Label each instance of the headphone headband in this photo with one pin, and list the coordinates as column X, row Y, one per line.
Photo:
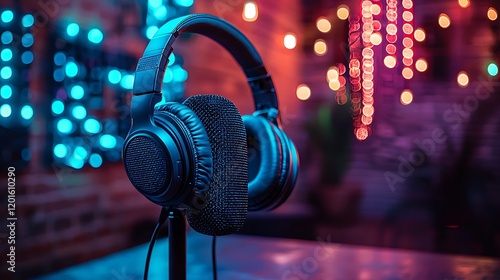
column 151, row 67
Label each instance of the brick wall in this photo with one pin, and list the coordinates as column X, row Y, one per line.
column 68, row 216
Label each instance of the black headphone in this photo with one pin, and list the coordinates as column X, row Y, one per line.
column 201, row 155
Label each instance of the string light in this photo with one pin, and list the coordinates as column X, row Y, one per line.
column 464, row 3
column 421, row 65
column 376, row 39
column 407, row 73
column 419, row 35
column 390, row 61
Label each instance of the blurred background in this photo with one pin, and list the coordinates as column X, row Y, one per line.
column 393, row 105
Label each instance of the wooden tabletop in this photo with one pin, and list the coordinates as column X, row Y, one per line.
column 249, row 257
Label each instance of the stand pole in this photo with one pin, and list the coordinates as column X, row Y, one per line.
column 176, row 245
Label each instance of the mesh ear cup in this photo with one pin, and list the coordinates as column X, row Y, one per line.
column 197, row 140
column 275, row 165
column 225, row 207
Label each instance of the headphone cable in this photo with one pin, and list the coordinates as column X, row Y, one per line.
column 214, row 259
column 161, row 221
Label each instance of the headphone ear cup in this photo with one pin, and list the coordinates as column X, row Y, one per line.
column 226, row 205
column 197, row 140
column 264, row 161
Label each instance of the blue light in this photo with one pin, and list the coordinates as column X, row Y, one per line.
column 57, row 107
column 92, row 126
column 6, row 54
column 151, row 31
column 114, row 76
column 5, row 110
column 71, row 69
column 161, row 13
column 7, row 37
column 58, row 75
column 6, row 72
column 7, row 16
column 27, row 57
column 107, row 141
column 60, row 150
column 493, row 69
column 59, row 58
column 6, row 92
column 167, row 78
column 155, row 3
column 184, row 3
column 95, row 160
column 127, row 81
column 77, row 92
column 95, row 36
column 64, row 126
column 180, row 75
column 75, row 162
column 79, row 112
column 26, row 154
column 27, row 112
column 72, row 29
column 171, row 59
column 27, row 40
column 80, row 153
column 28, row 20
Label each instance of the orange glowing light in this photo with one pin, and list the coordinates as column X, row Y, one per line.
column 407, row 61
column 444, row 20
column 290, row 41
column 375, row 9
column 407, row 42
column 407, row 73
column 320, row 47
column 332, row 73
column 250, row 11
column 366, row 120
column 419, row 35
column 407, row 16
column 464, row 3
column 407, row 28
column 391, row 15
column 368, row 52
column 492, row 14
column 406, row 97
column 343, row 12
column 362, row 133
column 407, row 4
column 368, row 111
column 376, row 39
column 334, row 84
column 391, row 29
column 390, row 49
column 303, row 92
column 407, row 53
column 463, row 79
column 421, row 65
column 390, row 61
column 323, row 25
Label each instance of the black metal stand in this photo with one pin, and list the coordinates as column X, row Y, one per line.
column 176, row 245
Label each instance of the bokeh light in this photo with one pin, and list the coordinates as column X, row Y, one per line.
column 406, row 97
column 376, row 39
column 27, row 112
column 492, row 69
column 407, row 73
column 95, row 36
column 250, row 12
column 72, row 29
column 463, row 79
column 5, row 110
column 419, row 35
column 290, row 41
column 323, row 24
column 444, row 20
column 390, row 61
column 421, row 65
column 320, row 47
column 464, row 3
column 492, row 14
column 343, row 12
column 303, row 92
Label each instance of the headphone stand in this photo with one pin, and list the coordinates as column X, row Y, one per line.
column 176, row 245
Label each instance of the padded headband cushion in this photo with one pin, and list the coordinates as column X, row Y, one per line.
column 200, row 142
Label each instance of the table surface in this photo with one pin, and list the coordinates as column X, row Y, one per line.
column 250, row 257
